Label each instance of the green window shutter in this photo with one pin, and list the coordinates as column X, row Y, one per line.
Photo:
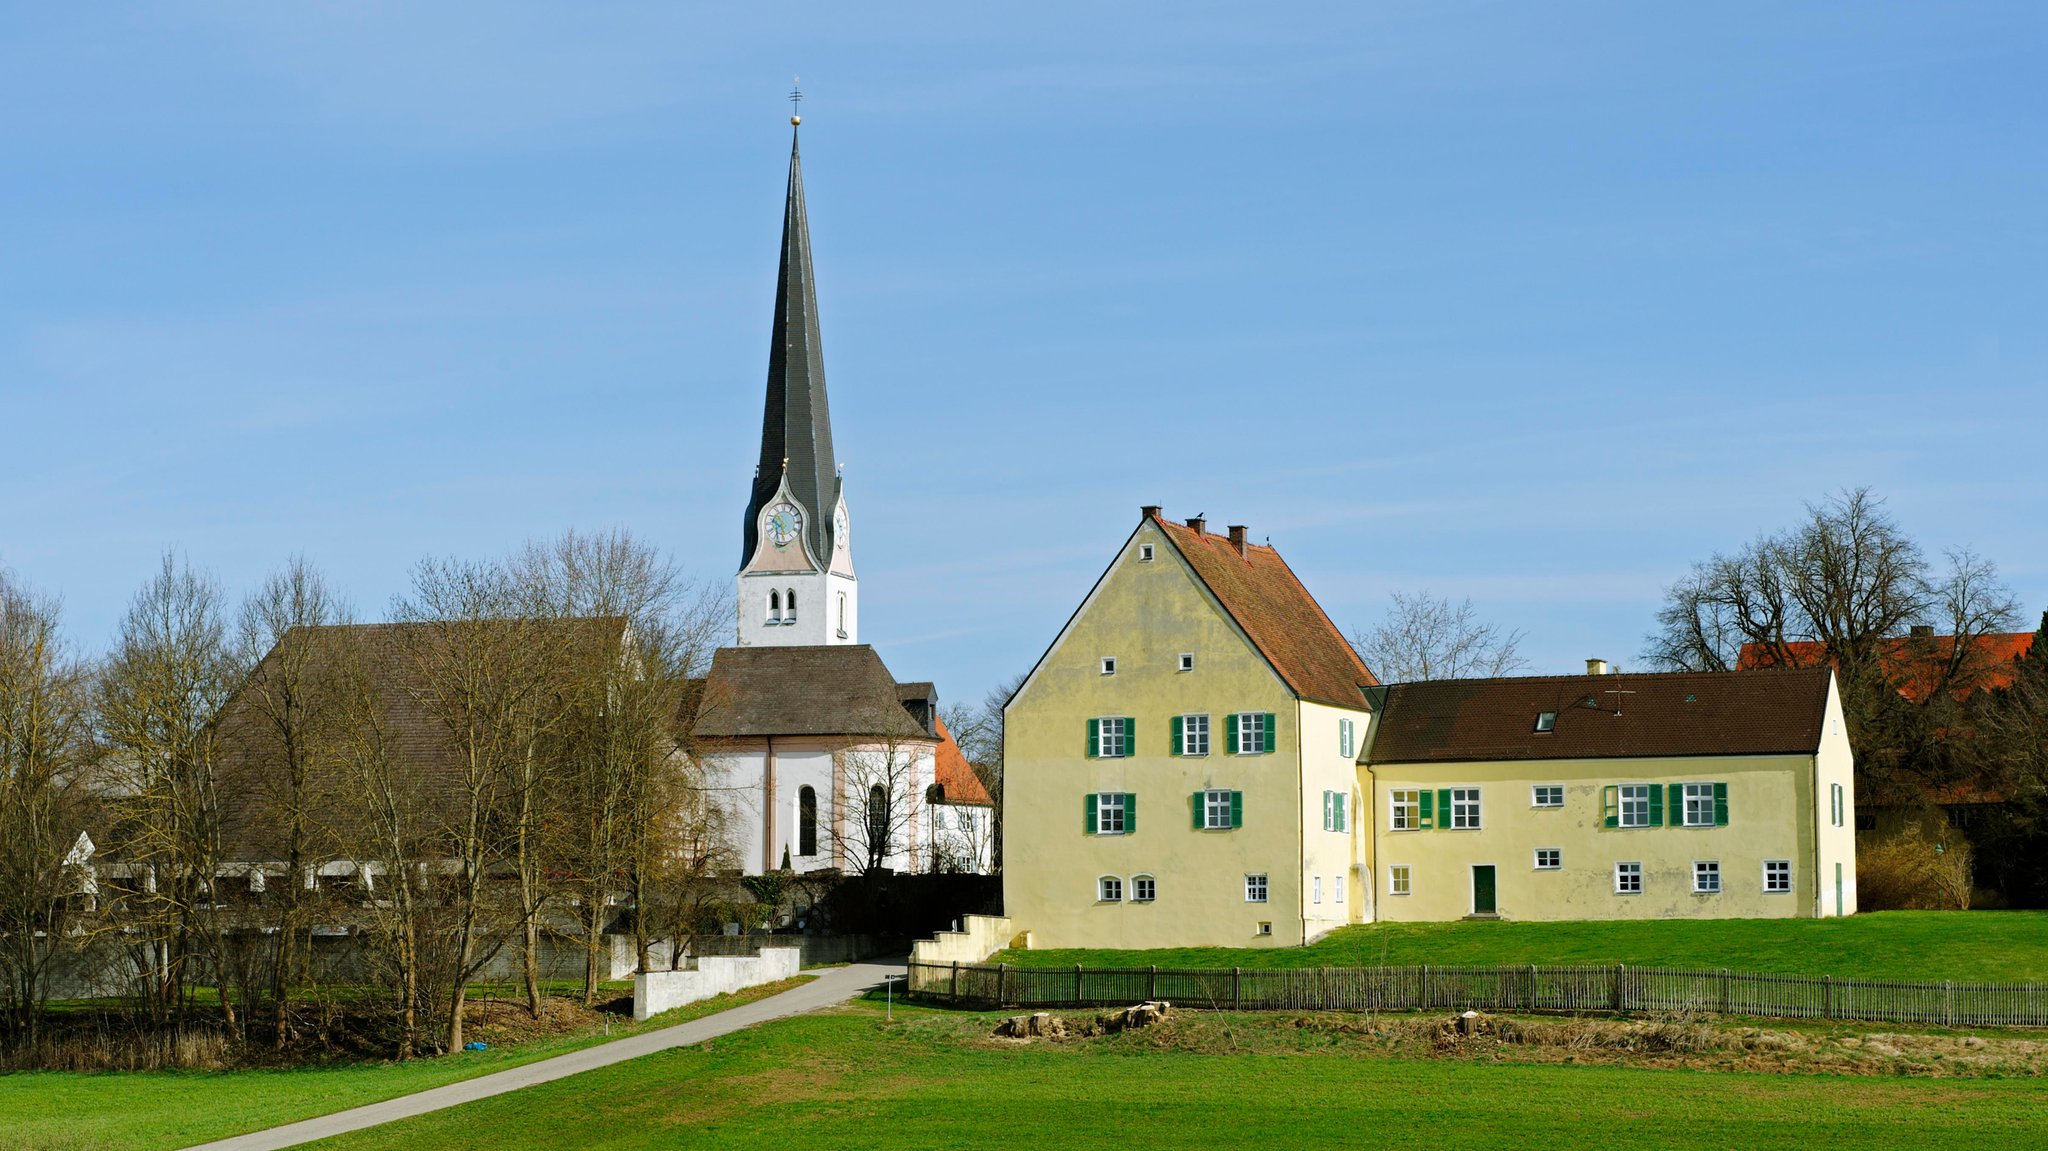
column 1720, row 805
column 1195, row 801
column 1326, row 811
column 1269, row 731
column 1425, row 816
column 1237, row 809
column 1656, row 806
column 1089, row 826
column 1443, row 806
column 1130, row 735
column 1230, row 734
column 1677, row 803
column 1094, row 736
column 1610, row 802
column 1130, row 812
column 1178, row 737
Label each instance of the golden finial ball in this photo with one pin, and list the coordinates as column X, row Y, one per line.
column 795, row 120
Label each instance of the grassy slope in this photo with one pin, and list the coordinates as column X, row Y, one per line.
column 169, row 1109
column 1907, row 945
column 850, row 1080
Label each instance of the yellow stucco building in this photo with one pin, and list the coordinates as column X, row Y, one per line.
column 1201, row 759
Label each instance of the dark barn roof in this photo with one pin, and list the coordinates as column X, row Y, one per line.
column 1677, row 714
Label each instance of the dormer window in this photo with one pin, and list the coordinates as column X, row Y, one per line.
column 1109, row 665
column 1546, row 721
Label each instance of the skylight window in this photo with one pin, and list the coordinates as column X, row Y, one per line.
column 1546, row 721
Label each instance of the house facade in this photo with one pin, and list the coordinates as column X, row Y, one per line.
column 1200, row 758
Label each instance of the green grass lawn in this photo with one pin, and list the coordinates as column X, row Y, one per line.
column 1966, row 946
column 849, row 1079
column 143, row 1110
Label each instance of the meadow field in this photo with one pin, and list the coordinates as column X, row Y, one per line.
column 1930, row 946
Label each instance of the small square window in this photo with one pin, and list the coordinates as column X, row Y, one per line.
column 1255, row 888
column 1109, row 665
column 1549, row 858
column 1144, row 889
column 1706, row 877
column 1547, row 795
column 1144, row 553
column 1628, row 879
column 1187, row 661
column 1777, row 876
column 1546, row 721
column 1265, row 928
column 1109, row 889
column 1398, row 879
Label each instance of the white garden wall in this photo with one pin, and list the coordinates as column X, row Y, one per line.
column 657, row 991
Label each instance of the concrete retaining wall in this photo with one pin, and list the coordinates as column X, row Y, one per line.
column 657, row 991
column 979, row 937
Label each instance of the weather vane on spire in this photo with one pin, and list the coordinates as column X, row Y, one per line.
column 796, row 98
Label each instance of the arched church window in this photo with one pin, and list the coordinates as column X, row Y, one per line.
column 807, row 821
column 789, row 600
column 878, row 823
column 774, row 607
column 842, row 615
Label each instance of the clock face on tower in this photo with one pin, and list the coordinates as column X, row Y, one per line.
column 839, row 529
column 785, row 520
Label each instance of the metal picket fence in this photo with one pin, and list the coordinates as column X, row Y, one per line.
column 1618, row 989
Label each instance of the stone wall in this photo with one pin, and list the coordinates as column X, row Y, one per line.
column 979, row 937
column 657, row 991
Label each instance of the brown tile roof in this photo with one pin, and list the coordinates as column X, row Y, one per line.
column 1289, row 628
column 1675, row 714
column 251, row 756
column 837, row 690
column 957, row 780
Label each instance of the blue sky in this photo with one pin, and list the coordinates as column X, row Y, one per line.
column 1531, row 303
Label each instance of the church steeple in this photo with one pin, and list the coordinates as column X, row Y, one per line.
column 796, row 422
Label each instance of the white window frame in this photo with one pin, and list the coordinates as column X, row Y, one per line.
column 1144, row 889
column 1625, row 870
column 1109, row 665
column 1411, row 808
column 1546, row 721
column 1187, row 661
column 1784, row 866
column 1215, row 806
column 1400, row 879
column 1256, row 887
column 1144, row 553
column 1105, row 802
column 1556, row 855
column 1835, row 803
column 1188, row 723
column 1316, row 888
column 1701, row 794
column 1702, row 871
column 1339, row 881
column 1109, row 889
column 1622, row 801
column 1104, row 735
column 1246, row 745
column 1540, row 793
column 1464, row 813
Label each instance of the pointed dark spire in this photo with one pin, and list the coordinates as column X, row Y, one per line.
column 796, row 423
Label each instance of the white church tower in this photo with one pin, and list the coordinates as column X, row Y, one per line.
column 796, row 581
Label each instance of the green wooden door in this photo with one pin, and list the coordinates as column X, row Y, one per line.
column 1482, row 889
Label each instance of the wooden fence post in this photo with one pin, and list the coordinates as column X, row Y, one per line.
column 1077, row 985
column 1152, row 984
column 1002, row 977
column 1529, row 1000
column 954, row 994
column 1236, row 988
column 1617, row 998
column 1724, row 991
column 1948, row 1001
column 1827, row 997
column 1422, row 989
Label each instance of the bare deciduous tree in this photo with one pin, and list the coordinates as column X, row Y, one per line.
column 879, row 803
column 1429, row 637
column 978, row 729
column 42, row 801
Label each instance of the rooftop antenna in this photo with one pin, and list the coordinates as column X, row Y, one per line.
column 796, row 99
column 1617, row 692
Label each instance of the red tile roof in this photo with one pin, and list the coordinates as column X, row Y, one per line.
column 1914, row 663
column 1284, row 622
column 956, row 777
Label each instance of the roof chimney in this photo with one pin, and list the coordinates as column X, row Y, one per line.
column 1148, row 511
column 1237, row 538
column 1596, row 667
column 1923, row 631
column 1197, row 522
